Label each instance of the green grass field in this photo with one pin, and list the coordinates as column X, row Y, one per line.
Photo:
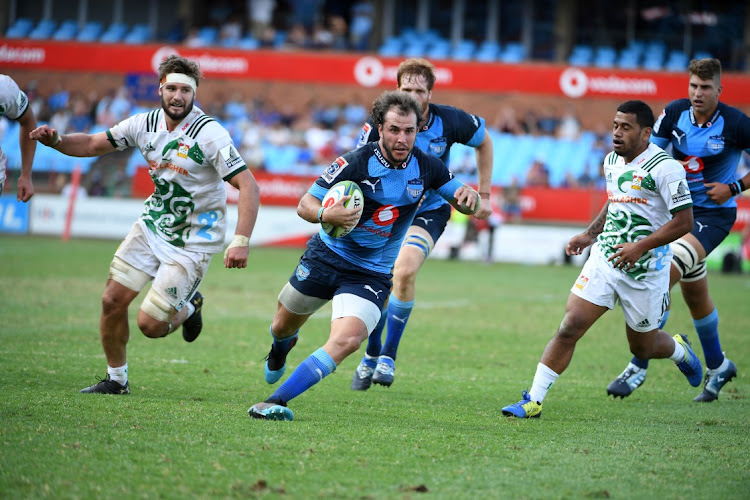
column 471, row 347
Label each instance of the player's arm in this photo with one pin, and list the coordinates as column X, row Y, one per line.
column 720, row 193
column 484, row 155
column 27, row 122
column 247, row 213
column 579, row 242
column 77, row 144
column 628, row 253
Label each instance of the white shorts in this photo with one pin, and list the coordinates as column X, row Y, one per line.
column 643, row 302
column 177, row 273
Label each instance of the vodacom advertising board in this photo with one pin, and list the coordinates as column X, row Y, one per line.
column 362, row 70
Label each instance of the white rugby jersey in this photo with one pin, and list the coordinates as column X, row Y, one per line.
column 643, row 195
column 13, row 104
column 188, row 167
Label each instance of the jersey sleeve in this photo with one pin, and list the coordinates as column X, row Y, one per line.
column 220, row 152
column 340, row 170
column 743, row 132
column 369, row 133
column 661, row 133
column 13, row 101
column 441, row 179
column 673, row 186
column 124, row 134
column 469, row 128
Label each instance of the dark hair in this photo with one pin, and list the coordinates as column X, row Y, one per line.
column 177, row 64
column 706, row 69
column 419, row 67
column 642, row 111
column 403, row 102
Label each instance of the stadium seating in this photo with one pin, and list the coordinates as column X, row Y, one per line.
column 676, row 61
column 20, row 29
column 90, row 32
column 115, row 33
column 67, row 31
column 45, row 29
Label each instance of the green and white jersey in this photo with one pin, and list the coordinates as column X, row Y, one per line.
column 643, row 195
column 188, row 167
column 13, row 104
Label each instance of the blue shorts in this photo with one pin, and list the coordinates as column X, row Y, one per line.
column 322, row 273
column 712, row 225
column 433, row 221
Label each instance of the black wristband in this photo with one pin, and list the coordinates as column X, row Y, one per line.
column 741, row 184
column 734, row 189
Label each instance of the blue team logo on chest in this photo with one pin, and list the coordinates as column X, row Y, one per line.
column 715, row 143
column 415, row 188
column 437, row 146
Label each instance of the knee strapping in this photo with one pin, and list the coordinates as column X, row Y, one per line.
column 686, row 261
column 418, row 241
column 127, row 275
column 298, row 303
column 156, row 307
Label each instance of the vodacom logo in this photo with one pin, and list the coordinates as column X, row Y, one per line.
column 574, row 82
column 160, row 55
column 385, row 215
column 369, row 71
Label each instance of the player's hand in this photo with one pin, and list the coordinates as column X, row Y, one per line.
column 626, row 256
column 578, row 243
column 235, row 256
column 25, row 189
column 340, row 216
column 45, row 134
column 467, row 198
column 718, row 192
column 485, row 209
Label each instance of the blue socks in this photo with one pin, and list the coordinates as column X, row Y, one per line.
column 374, row 341
column 314, row 369
column 708, row 333
column 398, row 315
column 643, row 363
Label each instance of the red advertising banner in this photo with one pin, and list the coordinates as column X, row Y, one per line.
column 363, row 70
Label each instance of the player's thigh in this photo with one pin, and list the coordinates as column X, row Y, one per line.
column 362, row 295
column 179, row 275
column 710, row 228
column 644, row 302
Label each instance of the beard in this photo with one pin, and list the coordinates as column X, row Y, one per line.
column 176, row 116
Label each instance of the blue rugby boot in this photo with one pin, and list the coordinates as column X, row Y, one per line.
column 526, row 408
column 362, row 378
column 691, row 365
column 385, row 371
column 714, row 381
column 270, row 411
column 276, row 361
column 628, row 381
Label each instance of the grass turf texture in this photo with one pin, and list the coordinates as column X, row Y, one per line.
column 437, row 433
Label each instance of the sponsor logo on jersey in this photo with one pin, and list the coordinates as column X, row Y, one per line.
column 637, row 179
column 171, row 291
column 149, row 147
column 437, row 146
column 231, row 157
column 334, row 170
column 153, row 166
column 415, row 188
column 679, row 191
column 386, row 163
column 385, row 215
column 21, row 102
column 372, row 183
column 581, row 282
column 715, row 143
column 679, row 135
column 302, row 272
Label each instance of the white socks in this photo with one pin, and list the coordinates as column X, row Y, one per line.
column 679, row 352
column 119, row 374
column 543, row 380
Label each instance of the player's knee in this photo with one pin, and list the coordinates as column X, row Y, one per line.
column 127, row 275
column 686, row 261
column 113, row 304
column 571, row 328
column 641, row 350
column 156, row 315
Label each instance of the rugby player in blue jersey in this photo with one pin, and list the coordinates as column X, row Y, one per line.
column 441, row 126
column 708, row 138
column 354, row 271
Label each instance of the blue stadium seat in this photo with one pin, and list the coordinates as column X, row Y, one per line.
column 416, row 48
column 605, row 57
column 392, row 47
column 702, row 54
column 581, row 55
column 67, row 30
column 676, row 61
column 20, row 29
column 488, row 51
column 44, row 30
column 114, row 33
column 140, row 33
column 512, row 53
column 653, row 61
column 248, row 43
column 208, row 35
column 91, row 32
column 439, row 50
column 630, row 58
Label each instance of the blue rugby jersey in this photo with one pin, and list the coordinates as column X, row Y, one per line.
column 391, row 196
column 446, row 126
column 712, row 150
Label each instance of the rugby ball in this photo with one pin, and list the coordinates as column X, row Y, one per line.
column 338, row 191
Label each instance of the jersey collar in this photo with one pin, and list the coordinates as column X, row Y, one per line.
column 708, row 123
column 381, row 158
